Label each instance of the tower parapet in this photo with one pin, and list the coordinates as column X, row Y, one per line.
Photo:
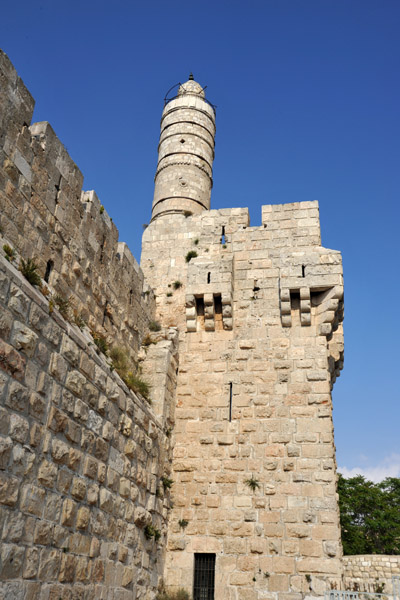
column 183, row 179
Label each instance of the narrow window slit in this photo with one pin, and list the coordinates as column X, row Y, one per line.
column 130, row 296
column 105, row 313
column 102, row 249
column 303, row 270
column 223, row 240
column 49, row 268
column 58, row 188
column 208, row 277
column 230, row 401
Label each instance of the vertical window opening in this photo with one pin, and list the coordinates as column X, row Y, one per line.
column 208, row 277
column 295, row 306
column 200, row 312
column 204, row 577
column 107, row 313
column 57, row 186
column 200, row 307
column 130, row 296
column 218, row 304
column 218, row 313
column 223, row 235
column 303, row 270
column 49, row 268
column 230, row 401
column 102, row 249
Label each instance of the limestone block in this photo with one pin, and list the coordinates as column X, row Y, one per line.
column 17, row 397
column 11, row 361
column 19, row 428
column 12, row 558
column 23, row 338
column 75, row 382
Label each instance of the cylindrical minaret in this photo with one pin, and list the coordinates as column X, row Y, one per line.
column 183, row 179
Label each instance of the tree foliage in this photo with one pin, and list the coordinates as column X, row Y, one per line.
column 369, row 515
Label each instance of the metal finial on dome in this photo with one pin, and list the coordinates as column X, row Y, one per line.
column 191, row 78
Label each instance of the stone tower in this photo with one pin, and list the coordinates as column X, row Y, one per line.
column 259, row 312
column 183, row 179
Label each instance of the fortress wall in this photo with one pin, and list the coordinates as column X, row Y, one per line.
column 253, row 399
column 294, row 224
column 81, row 460
column 366, row 572
column 46, row 216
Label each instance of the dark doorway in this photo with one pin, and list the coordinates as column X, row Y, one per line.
column 204, row 577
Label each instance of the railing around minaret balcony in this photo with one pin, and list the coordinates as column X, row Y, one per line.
column 178, row 85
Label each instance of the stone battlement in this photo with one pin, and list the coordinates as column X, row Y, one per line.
column 45, row 215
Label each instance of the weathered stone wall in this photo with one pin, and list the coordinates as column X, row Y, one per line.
column 259, row 311
column 368, row 572
column 81, row 458
column 46, row 216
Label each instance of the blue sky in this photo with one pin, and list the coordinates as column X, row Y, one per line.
column 307, row 96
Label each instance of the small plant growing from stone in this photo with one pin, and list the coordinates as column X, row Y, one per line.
column 45, row 290
column 9, row 253
column 154, row 326
column 196, row 241
column 252, row 483
column 379, row 587
column 101, row 209
column 63, row 305
column 177, row 285
column 138, row 385
column 78, row 319
column 183, row 523
column 224, row 246
column 178, row 595
column 147, row 341
column 100, row 342
column 122, row 363
column 152, row 532
column 188, row 213
column 29, row 269
column 149, row 532
column 167, row 482
column 169, row 294
column 191, row 254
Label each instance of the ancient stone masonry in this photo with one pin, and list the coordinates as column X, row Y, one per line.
column 83, row 508
column 259, row 313
column 370, row 572
column 81, row 462
column 46, row 216
column 245, row 346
